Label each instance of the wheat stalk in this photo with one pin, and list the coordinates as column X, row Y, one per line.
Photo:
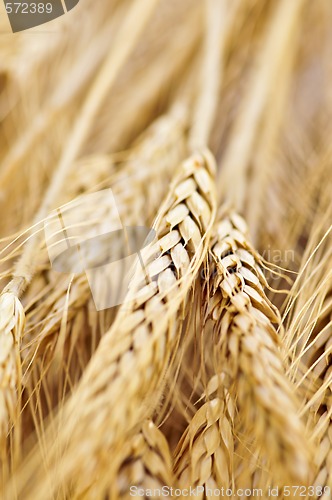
column 277, row 38
column 247, row 351
column 174, row 331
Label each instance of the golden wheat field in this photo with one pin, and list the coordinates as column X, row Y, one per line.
column 166, row 251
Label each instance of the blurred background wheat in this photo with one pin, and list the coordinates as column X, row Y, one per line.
column 210, row 121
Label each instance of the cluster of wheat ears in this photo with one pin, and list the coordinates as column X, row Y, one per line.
column 210, row 120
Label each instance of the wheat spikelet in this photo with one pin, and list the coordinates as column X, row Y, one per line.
column 320, row 379
column 247, row 351
column 11, row 326
column 144, row 335
column 148, row 464
column 323, row 459
column 204, row 455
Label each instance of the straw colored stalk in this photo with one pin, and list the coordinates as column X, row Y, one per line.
column 125, row 116
column 278, row 48
column 62, row 97
column 102, row 84
column 204, row 455
column 136, row 352
column 124, row 109
column 247, row 351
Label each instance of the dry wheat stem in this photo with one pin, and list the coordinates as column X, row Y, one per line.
column 247, row 351
column 165, row 78
column 269, row 131
column 134, row 24
column 160, row 149
column 211, row 74
column 174, row 332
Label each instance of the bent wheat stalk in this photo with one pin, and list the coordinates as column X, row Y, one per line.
column 247, row 351
column 151, row 161
column 138, row 348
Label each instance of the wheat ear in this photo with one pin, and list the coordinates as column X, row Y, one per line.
column 307, row 340
column 148, row 463
column 247, row 351
column 144, row 335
